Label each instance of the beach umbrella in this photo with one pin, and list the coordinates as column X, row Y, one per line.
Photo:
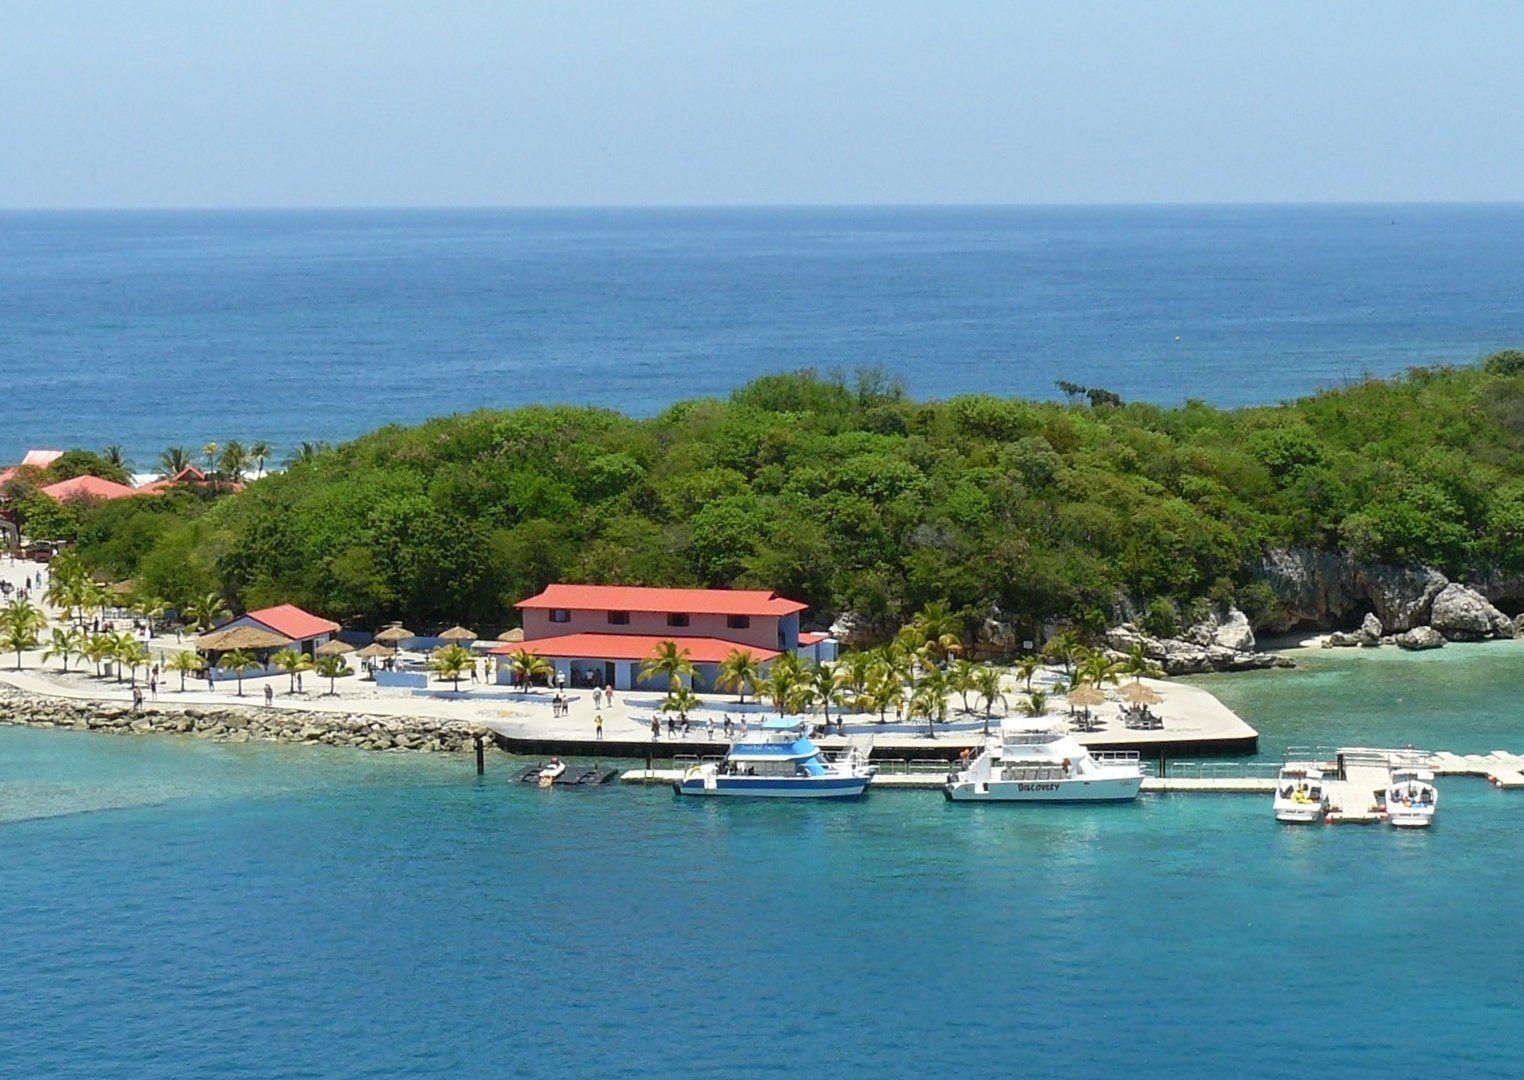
column 458, row 634
column 515, row 634
column 334, row 648
column 1086, row 696
column 242, row 637
column 1139, row 694
column 394, row 633
column 375, row 650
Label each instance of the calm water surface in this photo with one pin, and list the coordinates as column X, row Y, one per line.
column 151, row 329
column 174, row 908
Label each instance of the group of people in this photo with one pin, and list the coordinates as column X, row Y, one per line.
column 680, row 726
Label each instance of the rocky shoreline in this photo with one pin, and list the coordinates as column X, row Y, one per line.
column 242, row 724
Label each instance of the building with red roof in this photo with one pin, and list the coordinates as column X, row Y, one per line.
column 306, row 630
column 87, row 487
column 602, row 634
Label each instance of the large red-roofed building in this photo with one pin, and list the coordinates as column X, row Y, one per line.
column 602, row 634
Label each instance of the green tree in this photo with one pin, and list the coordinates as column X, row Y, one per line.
column 259, row 453
column 205, row 610
column 451, row 662
column 292, row 661
column 66, row 642
column 1035, row 704
column 174, row 460
column 1026, row 667
column 668, row 663
column 333, row 668
column 740, row 672
column 785, row 681
column 238, row 661
column 21, row 623
column 988, row 684
column 528, row 666
column 962, row 679
column 681, row 701
column 185, row 663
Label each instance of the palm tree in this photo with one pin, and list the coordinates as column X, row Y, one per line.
column 739, row 671
column 529, row 666
column 938, row 629
column 1137, row 664
column 450, row 662
column 133, row 653
column 233, row 460
column 291, row 661
column 989, row 687
column 114, row 455
column 185, row 662
column 259, row 450
column 961, row 677
column 668, row 660
column 824, row 687
column 150, row 605
column 1096, row 669
column 96, row 649
column 885, row 688
column 205, row 610
column 681, row 701
column 854, row 670
column 122, row 650
column 333, row 668
column 238, row 661
column 209, row 455
column 306, row 452
column 174, row 460
column 1063, row 649
column 1026, row 667
column 1035, row 704
column 66, row 642
column 929, row 699
column 784, row 679
column 21, row 622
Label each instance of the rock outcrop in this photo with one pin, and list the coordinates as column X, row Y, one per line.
column 1420, row 637
column 1463, row 614
column 1225, row 643
column 1320, row 588
column 1368, row 636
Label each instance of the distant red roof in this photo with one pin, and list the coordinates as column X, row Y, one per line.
column 87, row 487
column 701, row 650
column 190, row 475
column 41, row 459
column 674, row 601
column 812, row 637
column 293, row 622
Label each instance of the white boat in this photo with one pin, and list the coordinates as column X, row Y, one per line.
column 1039, row 764
column 552, row 772
column 778, row 761
column 1412, row 798
column 1299, row 795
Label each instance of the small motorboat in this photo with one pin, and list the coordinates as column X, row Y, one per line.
column 779, row 761
column 1299, row 795
column 1411, row 799
column 552, row 772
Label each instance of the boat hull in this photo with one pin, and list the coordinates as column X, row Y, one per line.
column 1047, row 791
column 766, row 787
column 1409, row 820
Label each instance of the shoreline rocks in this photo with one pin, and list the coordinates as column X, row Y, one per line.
column 242, row 724
column 1224, row 642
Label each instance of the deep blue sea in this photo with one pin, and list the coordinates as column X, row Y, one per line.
column 149, row 329
column 173, row 908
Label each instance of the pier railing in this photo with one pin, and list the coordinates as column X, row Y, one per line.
column 1221, row 770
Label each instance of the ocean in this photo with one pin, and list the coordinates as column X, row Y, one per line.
column 175, row 908
column 151, row 329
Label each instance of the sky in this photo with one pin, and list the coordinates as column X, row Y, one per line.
column 136, row 103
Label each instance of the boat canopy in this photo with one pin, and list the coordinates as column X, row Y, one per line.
column 774, row 751
column 783, row 723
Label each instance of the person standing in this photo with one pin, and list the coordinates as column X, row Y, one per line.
column 269, row 695
column 598, row 728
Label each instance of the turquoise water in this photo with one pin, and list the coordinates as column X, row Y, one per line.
column 1463, row 698
column 176, row 908
column 155, row 328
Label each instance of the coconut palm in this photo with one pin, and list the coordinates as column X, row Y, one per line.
column 883, row 690
column 1137, row 664
column 96, row 649
column 291, row 661
column 451, row 662
column 209, row 455
column 1063, row 649
column 938, row 629
column 203, row 611
column 1096, row 669
column 825, row 689
column 131, row 654
column 150, row 605
column 1035, row 703
column 854, row 670
column 529, row 666
column 174, row 460
column 233, row 460
column 114, row 455
column 186, row 663
column 739, row 671
column 785, row 678
column 929, row 699
column 988, row 685
column 21, row 622
column 238, row 661
column 259, row 452
column 306, row 452
column 66, row 642
column 669, row 662
column 961, row 677
column 681, row 701
column 333, row 668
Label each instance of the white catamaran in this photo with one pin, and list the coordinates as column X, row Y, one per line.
column 1037, row 764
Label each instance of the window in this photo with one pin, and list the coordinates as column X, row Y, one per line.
column 560, row 615
column 738, row 622
column 677, row 620
column 619, row 618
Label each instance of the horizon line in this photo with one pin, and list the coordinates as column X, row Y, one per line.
column 634, row 206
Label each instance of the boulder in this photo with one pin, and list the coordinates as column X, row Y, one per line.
column 1518, row 626
column 1420, row 637
column 1463, row 614
column 1341, row 640
column 1403, row 596
column 1370, row 631
column 1234, row 632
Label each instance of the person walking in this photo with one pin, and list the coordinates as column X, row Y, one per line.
column 269, row 695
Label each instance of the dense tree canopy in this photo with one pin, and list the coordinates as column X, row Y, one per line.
column 850, row 497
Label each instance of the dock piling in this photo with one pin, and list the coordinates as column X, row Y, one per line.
column 481, row 760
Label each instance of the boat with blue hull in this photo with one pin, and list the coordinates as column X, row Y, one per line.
column 779, row 761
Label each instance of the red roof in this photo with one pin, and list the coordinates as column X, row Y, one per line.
column 812, row 637
column 701, row 650
column 292, row 622
column 87, row 487
column 673, row 601
column 41, row 459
